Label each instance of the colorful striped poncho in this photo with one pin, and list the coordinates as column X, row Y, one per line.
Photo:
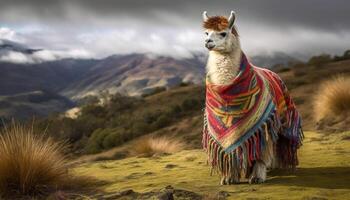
column 242, row 116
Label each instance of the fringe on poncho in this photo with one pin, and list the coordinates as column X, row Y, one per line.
column 240, row 117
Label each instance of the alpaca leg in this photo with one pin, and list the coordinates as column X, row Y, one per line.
column 258, row 174
column 234, row 179
column 268, row 156
column 224, row 181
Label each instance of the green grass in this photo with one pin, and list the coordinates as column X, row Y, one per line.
column 323, row 173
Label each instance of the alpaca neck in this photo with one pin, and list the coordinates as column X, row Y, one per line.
column 222, row 68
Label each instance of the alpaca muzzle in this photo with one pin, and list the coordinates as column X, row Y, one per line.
column 209, row 45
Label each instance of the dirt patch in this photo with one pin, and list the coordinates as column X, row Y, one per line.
column 149, row 173
column 170, row 166
column 190, row 158
column 133, row 176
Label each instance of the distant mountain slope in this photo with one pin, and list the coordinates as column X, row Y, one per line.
column 37, row 103
column 53, row 76
column 136, row 74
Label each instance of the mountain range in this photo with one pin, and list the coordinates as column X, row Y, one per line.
column 72, row 79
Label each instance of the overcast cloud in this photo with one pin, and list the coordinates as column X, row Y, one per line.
column 98, row 28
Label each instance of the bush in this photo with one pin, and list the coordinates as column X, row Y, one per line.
column 90, row 99
column 95, row 110
column 112, row 140
column 300, row 69
column 345, row 56
column 86, row 124
column 102, row 139
column 332, row 98
column 320, row 60
column 30, row 164
column 162, row 121
column 120, row 103
column 140, row 127
column 94, row 144
column 190, row 104
column 175, row 110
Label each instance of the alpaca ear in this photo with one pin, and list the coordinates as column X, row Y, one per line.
column 231, row 19
column 205, row 16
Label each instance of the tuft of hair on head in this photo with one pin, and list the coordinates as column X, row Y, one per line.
column 216, row 23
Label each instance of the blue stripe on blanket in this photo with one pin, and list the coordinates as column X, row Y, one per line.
column 269, row 109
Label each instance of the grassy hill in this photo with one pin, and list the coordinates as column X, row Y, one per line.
column 322, row 174
column 122, row 119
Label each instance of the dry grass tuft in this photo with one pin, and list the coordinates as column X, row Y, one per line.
column 152, row 146
column 31, row 164
column 332, row 98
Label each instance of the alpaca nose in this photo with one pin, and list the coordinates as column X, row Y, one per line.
column 208, row 40
column 210, row 46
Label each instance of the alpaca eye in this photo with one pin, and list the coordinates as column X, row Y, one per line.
column 223, row 34
column 206, row 33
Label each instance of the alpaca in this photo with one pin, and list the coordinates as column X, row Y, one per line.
column 250, row 121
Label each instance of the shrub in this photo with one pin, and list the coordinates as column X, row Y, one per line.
column 94, row 144
column 190, row 104
column 320, row 60
column 102, row 139
column 140, row 127
column 111, row 140
column 300, row 69
column 89, row 99
column 151, row 116
column 30, row 164
column 162, row 121
column 86, row 124
column 345, row 56
column 175, row 110
column 95, row 110
column 332, row 98
column 120, row 103
column 151, row 146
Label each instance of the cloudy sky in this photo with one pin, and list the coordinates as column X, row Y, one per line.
column 98, row 28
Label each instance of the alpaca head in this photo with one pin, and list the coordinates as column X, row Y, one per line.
column 221, row 34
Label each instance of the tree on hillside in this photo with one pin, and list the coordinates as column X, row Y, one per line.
column 320, row 60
